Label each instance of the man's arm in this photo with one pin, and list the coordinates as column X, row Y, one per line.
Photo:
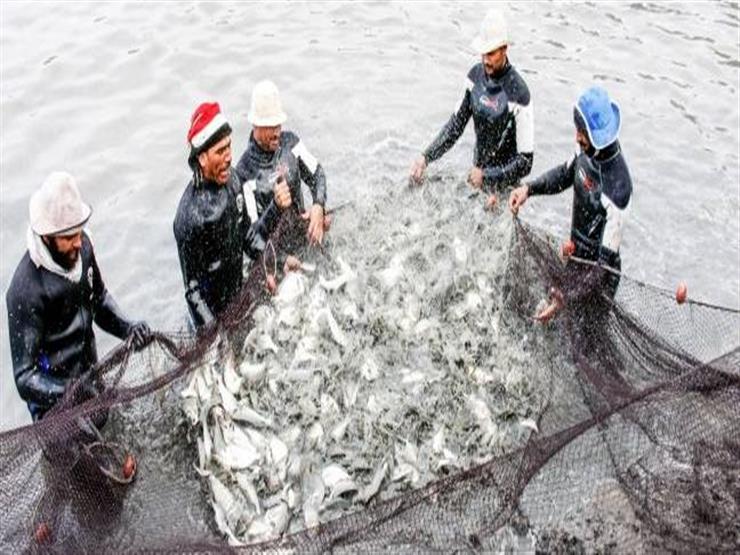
column 521, row 164
column 616, row 216
column 311, row 173
column 26, row 330
column 452, row 130
column 192, row 272
column 256, row 234
column 556, row 180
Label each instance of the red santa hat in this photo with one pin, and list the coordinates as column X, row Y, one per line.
column 206, row 122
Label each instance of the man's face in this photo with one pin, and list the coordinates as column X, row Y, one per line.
column 216, row 161
column 268, row 137
column 582, row 140
column 495, row 60
column 65, row 249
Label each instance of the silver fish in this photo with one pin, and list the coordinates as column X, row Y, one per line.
column 371, row 490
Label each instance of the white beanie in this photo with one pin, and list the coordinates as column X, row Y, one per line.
column 57, row 207
column 266, row 109
column 494, row 33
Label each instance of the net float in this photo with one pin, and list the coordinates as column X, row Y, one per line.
column 682, row 292
column 129, row 466
column 568, row 248
column 42, row 533
column 271, row 283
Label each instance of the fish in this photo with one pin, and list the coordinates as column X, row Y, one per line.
column 253, row 373
column 369, row 368
column 337, row 481
column 271, row 524
column 371, row 490
column 232, row 380
column 228, row 401
column 250, row 491
column 260, row 342
column 350, row 390
column 323, row 319
column 293, row 286
column 314, row 435
column 313, row 497
column 529, row 423
column 346, row 276
column 244, row 413
column 226, row 501
column 390, row 276
column 338, row 431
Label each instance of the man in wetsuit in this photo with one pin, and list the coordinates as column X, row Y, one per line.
column 602, row 188
column 273, row 154
column 498, row 99
column 55, row 295
column 217, row 220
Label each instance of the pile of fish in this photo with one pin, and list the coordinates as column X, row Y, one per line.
column 389, row 366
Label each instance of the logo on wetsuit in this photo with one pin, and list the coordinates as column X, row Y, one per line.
column 588, row 183
column 491, row 103
column 239, row 203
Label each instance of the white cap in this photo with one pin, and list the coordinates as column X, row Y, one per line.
column 494, row 33
column 266, row 109
column 57, row 207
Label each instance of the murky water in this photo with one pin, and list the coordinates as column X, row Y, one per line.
column 105, row 91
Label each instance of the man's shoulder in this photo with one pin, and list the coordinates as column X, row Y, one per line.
column 24, row 282
column 516, row 87
column 288, row 139
column 182, row 218
column 618, row 182
column 476, row 73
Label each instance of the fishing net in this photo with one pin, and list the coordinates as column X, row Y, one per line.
column 400, row 397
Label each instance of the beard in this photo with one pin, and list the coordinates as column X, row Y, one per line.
column 66, row 260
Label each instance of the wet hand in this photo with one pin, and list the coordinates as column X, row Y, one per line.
column 292, row 264
column 327, row 222
column 281, row 192
column 416, row 175
column 491, row 202
column 475, row 178
column 517, row 198
column 140, row 334
column 552, row 308
column 316, row 224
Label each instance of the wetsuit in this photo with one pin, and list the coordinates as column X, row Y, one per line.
column 50, row 320
column 503, row 116
column 214, row 226
column 602, row 189
column 256, row 165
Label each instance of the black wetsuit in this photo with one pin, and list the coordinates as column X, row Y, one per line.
column 214, row 226
column 50, row 320
column 256, row 165
column 602, row 189
column 504, row 126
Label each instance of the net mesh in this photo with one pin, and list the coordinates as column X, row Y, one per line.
column 638, row 443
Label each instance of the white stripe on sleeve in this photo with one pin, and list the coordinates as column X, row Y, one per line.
column 524, row 126
column 248, row 191
column 615, row 218
column 300, row 151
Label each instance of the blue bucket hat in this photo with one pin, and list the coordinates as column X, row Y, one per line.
column 600, row 115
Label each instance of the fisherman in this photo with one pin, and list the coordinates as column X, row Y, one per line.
column 498, row 99
column 55, row 295
column 217, row 220
column 602, row 189
column 276, row 155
